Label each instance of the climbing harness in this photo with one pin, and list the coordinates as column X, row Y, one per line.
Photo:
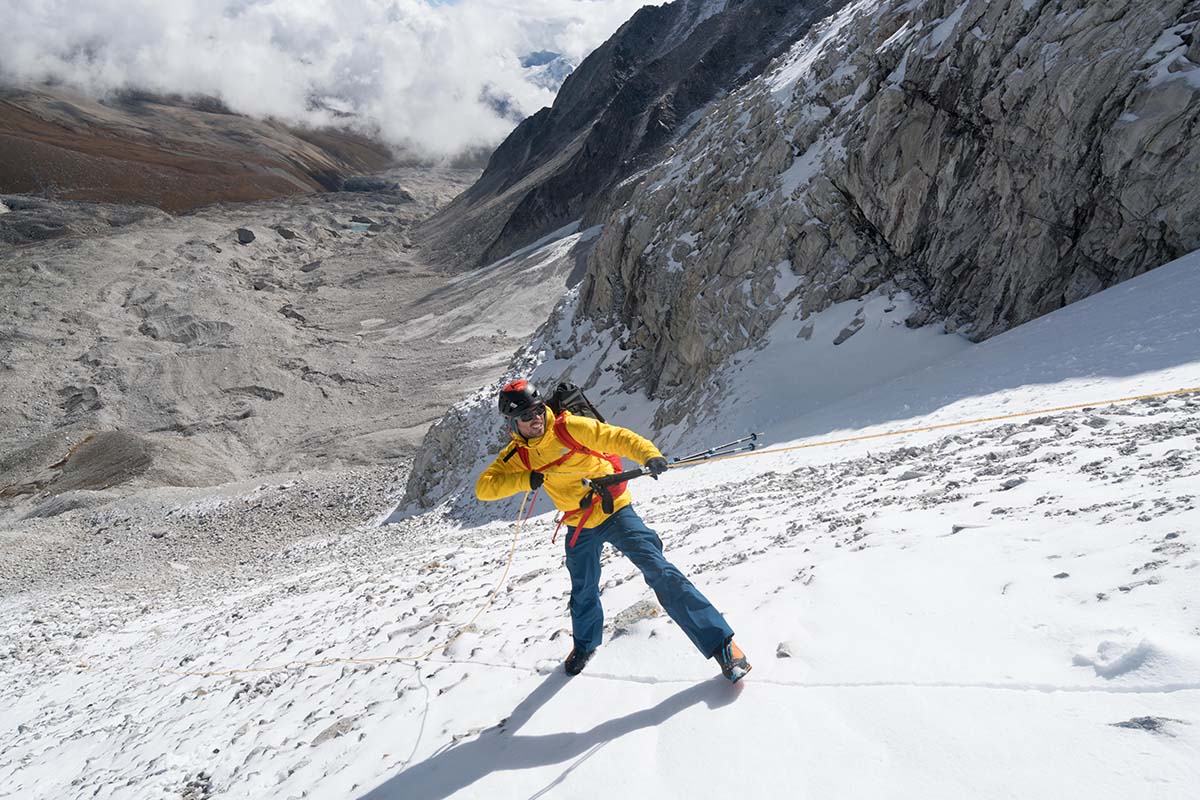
column 579, row 516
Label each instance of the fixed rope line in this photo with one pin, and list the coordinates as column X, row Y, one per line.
column 522, row 517
column 921, row 429
column 944, row 425
column 324, row 662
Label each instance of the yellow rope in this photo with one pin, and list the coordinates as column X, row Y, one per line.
column 943, row 425
column 323, row 662
column 903, row 431
column 773, row 451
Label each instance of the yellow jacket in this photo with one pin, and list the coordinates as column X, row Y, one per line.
column 564, row 482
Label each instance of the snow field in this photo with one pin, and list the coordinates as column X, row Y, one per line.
column 934, row 650
column 999, row 610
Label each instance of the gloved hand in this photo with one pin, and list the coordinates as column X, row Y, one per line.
column 535, row 481
column 657, row 466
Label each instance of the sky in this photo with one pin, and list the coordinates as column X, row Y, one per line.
column 417, row 71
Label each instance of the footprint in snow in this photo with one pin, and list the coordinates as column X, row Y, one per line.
column 547, row 666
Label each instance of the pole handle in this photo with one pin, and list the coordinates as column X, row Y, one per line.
column 604, row 481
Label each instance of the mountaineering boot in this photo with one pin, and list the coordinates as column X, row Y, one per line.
column 734, row 665
column 577, row 660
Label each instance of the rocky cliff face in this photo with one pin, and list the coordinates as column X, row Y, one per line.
column 613, row 117
column 997, row 159
column 994, row 160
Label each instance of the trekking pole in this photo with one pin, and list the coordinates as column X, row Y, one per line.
column 741, row 445
column 746, row 442
column 702, row 459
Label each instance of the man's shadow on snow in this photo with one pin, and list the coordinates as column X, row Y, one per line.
column 498, row 748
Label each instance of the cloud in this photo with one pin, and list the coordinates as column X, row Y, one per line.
column 425, row 75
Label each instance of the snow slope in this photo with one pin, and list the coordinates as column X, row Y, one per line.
column 1000, row 610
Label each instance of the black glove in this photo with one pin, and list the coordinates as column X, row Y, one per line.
column 535, row 481
column 657, row 466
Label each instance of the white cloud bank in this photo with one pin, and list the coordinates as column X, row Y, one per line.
column 416, row 70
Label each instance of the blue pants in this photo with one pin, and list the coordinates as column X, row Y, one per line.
column 625, row 530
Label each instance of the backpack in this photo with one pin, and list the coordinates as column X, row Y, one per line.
column 569, row 397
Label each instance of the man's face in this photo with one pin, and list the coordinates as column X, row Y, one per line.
column 535, row 427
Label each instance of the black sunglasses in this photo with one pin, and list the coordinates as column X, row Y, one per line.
column 531, row 414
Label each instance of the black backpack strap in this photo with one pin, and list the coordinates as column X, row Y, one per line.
column 569, row 397
column 595, row 411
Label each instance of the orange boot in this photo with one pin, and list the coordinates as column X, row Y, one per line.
column 734, row 665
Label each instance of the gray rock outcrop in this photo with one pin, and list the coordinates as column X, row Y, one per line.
column 996, row 159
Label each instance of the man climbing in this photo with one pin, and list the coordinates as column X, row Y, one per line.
column 556, row 453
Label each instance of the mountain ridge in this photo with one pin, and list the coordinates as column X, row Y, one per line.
column 613, row 116
column 175, row 154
